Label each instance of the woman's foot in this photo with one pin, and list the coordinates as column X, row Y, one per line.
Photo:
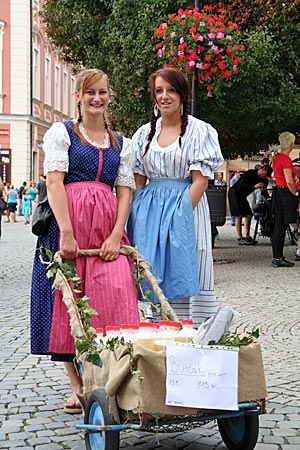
column 72, row 405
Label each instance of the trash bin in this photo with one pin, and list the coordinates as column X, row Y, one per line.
column 216, row 196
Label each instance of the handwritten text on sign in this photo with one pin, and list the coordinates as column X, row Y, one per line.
column 200, row 377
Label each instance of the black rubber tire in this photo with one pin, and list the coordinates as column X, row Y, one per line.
column 239, row 433
column 97, row 413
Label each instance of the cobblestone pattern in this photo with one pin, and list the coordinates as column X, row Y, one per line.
column 33, row 389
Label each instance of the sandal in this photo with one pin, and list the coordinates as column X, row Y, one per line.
column 72, row 406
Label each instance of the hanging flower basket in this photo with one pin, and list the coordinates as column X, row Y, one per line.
column 203, row 45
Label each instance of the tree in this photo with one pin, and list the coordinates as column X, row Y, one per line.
column 117, row 36
column 261, row 103
column 74, row 26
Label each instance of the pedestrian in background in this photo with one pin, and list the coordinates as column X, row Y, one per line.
column 41, row 189
column 20, row 194
column 12, row 202
column 285, row 198
column 235, row 176
column 33, row 193
column 4, row 197
column 169, row 219
column 84, row 162
column 26, row 206
column 219, row 181
column 239, row 206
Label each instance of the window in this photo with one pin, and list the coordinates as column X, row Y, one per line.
column 48, row 81
column 36, row 73
column 65, row 93
column 57, row 88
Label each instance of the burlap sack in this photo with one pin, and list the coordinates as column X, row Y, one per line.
column 129, row 394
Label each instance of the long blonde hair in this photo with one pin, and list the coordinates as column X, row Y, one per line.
column 84, row 79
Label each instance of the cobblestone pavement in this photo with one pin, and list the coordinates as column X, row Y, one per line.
column 32, row 389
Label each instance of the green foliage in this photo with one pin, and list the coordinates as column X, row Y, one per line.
column 236, row 340
column 262, row 103
column 87, row 343
column 117, row 36
column 138, row 275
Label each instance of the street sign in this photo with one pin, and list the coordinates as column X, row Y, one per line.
column 4, row 132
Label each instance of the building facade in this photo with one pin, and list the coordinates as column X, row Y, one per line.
column 36, row 89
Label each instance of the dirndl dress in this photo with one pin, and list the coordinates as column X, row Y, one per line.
column 169, row 233
column 109, row 285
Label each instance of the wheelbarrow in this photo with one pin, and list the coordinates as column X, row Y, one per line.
column 239, row 429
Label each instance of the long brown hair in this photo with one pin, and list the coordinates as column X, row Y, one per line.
column 180, row 83
column 84, row 79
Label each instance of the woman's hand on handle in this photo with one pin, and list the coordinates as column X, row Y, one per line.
column 110, row 248
column 57, row 197
column 68, row 246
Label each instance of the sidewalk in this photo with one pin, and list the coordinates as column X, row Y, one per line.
column 33, row 389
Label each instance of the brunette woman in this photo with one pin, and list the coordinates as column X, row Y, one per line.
column 169, row 219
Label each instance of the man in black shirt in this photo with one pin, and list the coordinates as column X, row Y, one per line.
column 41, row 189
column 238, row 203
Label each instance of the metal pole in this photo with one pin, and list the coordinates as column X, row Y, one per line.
column 195, row 83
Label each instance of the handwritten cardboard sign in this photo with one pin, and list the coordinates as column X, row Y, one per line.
column 202, row 377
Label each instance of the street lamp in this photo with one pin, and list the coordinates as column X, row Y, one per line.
column 195, row 83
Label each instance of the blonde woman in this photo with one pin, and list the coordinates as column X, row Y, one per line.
column 84, row 162
column 285, row 197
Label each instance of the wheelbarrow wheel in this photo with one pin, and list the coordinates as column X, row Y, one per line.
column 239, row 433
column 97, row 413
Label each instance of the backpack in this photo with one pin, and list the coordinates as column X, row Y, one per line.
column 268, row 218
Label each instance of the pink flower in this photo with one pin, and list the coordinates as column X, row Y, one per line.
column 182, row 43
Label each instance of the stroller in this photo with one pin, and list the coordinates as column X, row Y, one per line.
column 265, row 220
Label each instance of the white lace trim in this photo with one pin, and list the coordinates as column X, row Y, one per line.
column 125, row 180
column 60, row 166
column 95, row 144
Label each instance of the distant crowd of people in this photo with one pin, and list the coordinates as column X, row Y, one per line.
column 22, row 201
